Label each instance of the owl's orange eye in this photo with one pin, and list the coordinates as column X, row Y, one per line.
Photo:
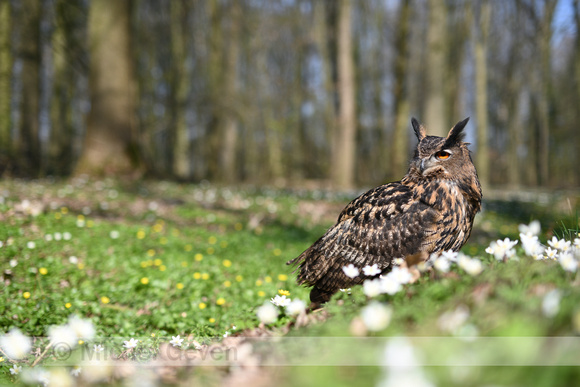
column 442, row 155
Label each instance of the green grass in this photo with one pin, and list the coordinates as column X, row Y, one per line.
column 157, row 259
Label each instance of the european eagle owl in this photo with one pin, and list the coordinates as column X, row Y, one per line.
column 430, row 210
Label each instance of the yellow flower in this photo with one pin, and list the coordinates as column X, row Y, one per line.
column 80, row 217
column 144, row 280
column 157, row 262
column 268, row 279
column 259, row 282
column 212, row 240
column 183, row 264
column 220, row 301
column 144, row 264
column 198, row 257
column 238, row 226
column 202, row 305
column 26, row 295
column 153, row 335
column 239, row 278
column 158, row 227
column 90, row 223
column 188, row 247
column 277, row 252
column 162, row 268
column 227, row 284
column 210, row 250
column 57, row 215
column 211, row 320
column 67, row 305
column 141, row 234
column 196, row 275
column 81, row 342
column 261, row 293
column 227, row 263
column 105, row 300
column 1, row 359
column 283, row 292
column 43, row 271
column 64, row 210
column 282, row 277
column 81, row 266
column 150, row 252
column 179, row 286
column 163, row 240
column 205, row 276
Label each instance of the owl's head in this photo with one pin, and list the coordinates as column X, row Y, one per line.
column 441, row 157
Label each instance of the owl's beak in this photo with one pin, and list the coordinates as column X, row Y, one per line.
column 425, row 165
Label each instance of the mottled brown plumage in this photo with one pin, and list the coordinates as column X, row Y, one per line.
column 430, row 210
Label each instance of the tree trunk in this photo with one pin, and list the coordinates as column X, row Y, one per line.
column 435, row 109
column 400, row 145
column 344, row 157
column 5, row 91
column 228, row 149
column 544, row 90
column 481, row 104
column 181, row 81
column 110, row 147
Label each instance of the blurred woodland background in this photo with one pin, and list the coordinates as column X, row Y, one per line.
column 289, row 91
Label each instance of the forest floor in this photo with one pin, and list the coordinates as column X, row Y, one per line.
column 153, row 260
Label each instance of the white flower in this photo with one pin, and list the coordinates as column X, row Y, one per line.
column 372, row 288
column 568, row 262
column 389, row 285
column 551, row 303
column 559, row 244
column 297, row 306
column 451, row 321
column 131, row 343
column 66, row 236
column 57, row 236
column 267, row 313
column 279, row 300
column 398, row 261
column 401, row 366
column 38, row 375
column 376, row 316
column 98, row 348
column 551, row 253
column 450, row 255
column 502, row 249
column 15, row 370
column 176, row 341
column 442, row 264
column 576, row 243
column 531, row 245
column 83, row 329
column 400, row 274
column 30, row 245
column 371, row 270
column 13, row 263
column 350, row 271
column 72, row 259
column 114, row 234
column 532, row 229
column 48, row 237
column 76, row 371
column 62, row 335
column 15, row 344
column 472, row 266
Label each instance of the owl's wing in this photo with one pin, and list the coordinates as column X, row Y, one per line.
column 384, row 223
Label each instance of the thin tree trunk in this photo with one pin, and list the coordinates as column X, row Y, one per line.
column 228, row 151
column 481, row 103
column 544, row 91
column 435, row 108
column 400, row 146
column 110, row 146
column 181, row 81
column 344, row 157
column 5, row 91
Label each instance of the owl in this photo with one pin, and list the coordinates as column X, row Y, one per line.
column 431, row 209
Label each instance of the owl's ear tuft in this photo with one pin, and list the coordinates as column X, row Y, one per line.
column 418, row 128
column 456, row 133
